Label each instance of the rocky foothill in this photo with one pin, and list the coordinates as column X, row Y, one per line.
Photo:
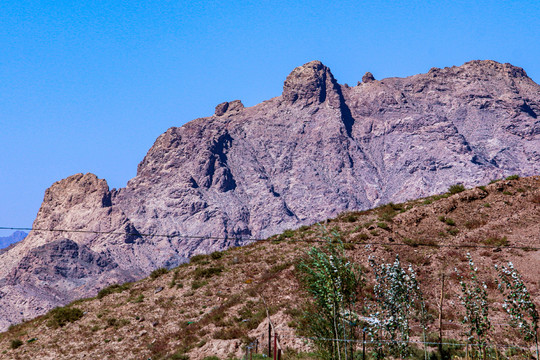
column 317, row 150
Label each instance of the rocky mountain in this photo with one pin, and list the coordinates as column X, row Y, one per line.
column 319, row 149
column 212, row 306
column 6, row 241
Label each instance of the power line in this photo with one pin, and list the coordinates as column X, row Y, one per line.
column 272, row 238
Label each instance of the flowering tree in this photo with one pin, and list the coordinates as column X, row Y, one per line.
column 397, row 296
column 474, row 299
column 334, row 282
column 518, row 303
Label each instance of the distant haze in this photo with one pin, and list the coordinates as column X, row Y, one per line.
column 5, row 241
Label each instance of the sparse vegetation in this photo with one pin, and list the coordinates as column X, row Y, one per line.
column 206, row 273
column 115, row 288
column 495, row 241
column 513, row 177
column 383, row 225
column 16, row 343
column 457, row 188
column 158, row 272
column 60, row 316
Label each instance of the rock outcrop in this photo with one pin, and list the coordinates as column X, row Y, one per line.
column 318, row 149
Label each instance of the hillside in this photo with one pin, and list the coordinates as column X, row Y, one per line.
column 212, row 305
column 6, row 241
column 317, row 150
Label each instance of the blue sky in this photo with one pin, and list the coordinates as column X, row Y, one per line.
column 87, row 86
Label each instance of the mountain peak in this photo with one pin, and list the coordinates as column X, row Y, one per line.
column 311, row 83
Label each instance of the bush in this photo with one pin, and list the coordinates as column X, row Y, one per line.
column 15, row 344
column 62, row 315
column 158, row 272
column 216, row 255
column 513, row 177
column 383, row 225
column 115, row 288
column 198, row 258
column 496, row 241
column 198, row 284
column 206, row 273
column 457, row 188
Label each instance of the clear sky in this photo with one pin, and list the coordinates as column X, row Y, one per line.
column 87, row 86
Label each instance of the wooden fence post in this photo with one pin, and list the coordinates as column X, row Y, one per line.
column 269, row 339
column 364, row 344
column 275, row 346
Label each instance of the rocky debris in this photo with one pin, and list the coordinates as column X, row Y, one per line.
column 315, row 151
column 229, row 107
column 368, row 77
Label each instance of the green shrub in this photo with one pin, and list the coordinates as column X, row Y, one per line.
column 417, row 242
column 216, row 255
column 174, row 278
column 457, row 188
column 453, row 232
column 62, row 315
column 513, row 177
column 383, row 225
column 115, row 288
column 206, row 273
column 198, row 284
column 361, row 237
column 180, row 356
column 198, row 258
column 350, row 218
column 450, row 222
column 496, row 241
column 15, row 344
column 158, row 272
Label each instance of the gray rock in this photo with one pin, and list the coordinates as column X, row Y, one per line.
column 368, row 77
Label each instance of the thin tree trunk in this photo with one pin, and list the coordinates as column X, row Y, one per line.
column 336, row 332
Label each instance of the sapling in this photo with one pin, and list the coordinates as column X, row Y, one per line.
column 518, row 303
column 474, row 299
column 397, row 297
column 334, row 283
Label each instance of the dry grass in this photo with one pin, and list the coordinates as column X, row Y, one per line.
column 212, row 305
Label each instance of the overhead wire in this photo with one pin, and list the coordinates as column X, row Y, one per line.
column 272, row 238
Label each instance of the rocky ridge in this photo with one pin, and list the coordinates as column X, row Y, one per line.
column 319, row 149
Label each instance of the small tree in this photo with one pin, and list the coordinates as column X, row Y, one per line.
column 334, row 282
column 397, row 297
column 474, row 299
column 518, row 303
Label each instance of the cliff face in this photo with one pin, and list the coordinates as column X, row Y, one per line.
column 318, row 149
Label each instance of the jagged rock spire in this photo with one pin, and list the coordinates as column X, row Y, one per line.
column 311, row 83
